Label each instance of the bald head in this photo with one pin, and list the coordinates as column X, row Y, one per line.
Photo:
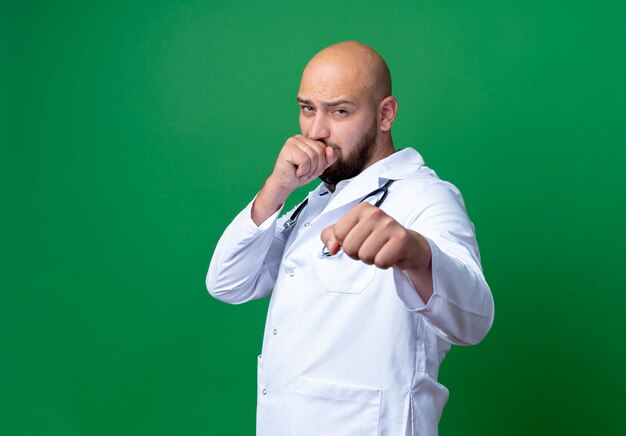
column 352, row 63
column 345, row 102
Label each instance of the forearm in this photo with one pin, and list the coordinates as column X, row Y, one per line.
column 269, row 201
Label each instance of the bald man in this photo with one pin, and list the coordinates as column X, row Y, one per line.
column 372, row 277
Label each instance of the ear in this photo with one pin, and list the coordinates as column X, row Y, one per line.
column 387, row 110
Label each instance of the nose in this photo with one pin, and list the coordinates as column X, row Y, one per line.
column 318, row 129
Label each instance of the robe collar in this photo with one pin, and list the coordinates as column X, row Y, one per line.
column 400, row 165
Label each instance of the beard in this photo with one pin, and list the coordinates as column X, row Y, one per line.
column 355, row 162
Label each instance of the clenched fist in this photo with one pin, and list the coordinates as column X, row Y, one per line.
column 369, row 235
column 300, row 160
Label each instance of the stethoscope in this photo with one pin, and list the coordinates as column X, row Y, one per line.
column 296, row 214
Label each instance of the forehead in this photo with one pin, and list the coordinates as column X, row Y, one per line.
column 333, row 81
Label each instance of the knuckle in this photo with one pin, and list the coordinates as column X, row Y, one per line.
column 375, row 212
column 350, row 249
column 366, row 258
column 382, row 263
column 403, row 236
column 388, row 222
column 364, row 209
column 352, row 256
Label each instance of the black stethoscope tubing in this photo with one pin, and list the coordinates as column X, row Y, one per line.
column 384, row 189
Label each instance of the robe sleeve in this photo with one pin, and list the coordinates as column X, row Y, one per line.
column 245, row 263
column 461, row 310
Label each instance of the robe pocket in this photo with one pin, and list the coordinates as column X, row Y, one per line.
column 329, row 409
column 340, row 273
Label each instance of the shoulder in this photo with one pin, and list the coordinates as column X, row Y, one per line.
column 411, row 175
column 423, row 192
column 426, row 184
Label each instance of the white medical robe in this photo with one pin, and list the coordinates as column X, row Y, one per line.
column 350, row 349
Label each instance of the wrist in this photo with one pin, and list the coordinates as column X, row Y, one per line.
column 277, row 191
column 420, row 260
column 269, row 200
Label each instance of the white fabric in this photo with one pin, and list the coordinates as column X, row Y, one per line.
column 350, row 349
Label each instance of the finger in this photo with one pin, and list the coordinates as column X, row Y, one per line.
column 311, row 142
column 355, row 238
column 334, row 236
column 361, row 212
column 314, row 154
column 388, row 255
column 333, row 247
column 318, row 146
column 326, row 155
column 295, row 156
column 331, row 156
column 372, row 245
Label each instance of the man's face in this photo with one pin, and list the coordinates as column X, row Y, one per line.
column 336, row 110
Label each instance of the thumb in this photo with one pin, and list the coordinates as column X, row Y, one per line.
column 330, row 242
column 331, row 155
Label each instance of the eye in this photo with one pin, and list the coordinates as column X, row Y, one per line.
column 340, row 112
column 307, row 108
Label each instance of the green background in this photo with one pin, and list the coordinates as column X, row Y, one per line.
column 132, row 132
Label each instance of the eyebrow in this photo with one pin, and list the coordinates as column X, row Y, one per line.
column 329, row 103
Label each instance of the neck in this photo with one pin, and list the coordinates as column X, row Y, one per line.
column 384, row 150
